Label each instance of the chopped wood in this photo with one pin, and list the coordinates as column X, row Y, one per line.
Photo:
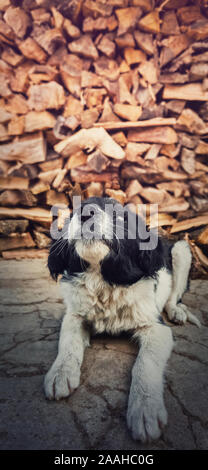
column 173, row 46
column 29, row 149
column 202, row 148
column 170, row 150
column 48, row 39
column 107, row 68
column 17, row 104
column 35, row 120
column 120, row 138
column 127, row 111
column 97, row 161
column 146, row 123
column 78, row 159
column 37, row 214
column 198, row 30
column 89, row 79
column 203, row 237
column 188, row 140
column 23, row 240
column 25, row 254
column 18, row 20
column 46, row 96
column 40, row 187
column 117, row 194
column 31, row 50
column 89, row 117
column 107, row 114
column 71, row 29
column 153, row 152
column 107, row 47
column 157, row 135
column 170, row 23
column 127, row 18
column 83, row 177
column 133, row 188
column 51, row 164
column 9, row 226
column 133, row 150
column 134, row 56
column 84, row 47
column 126, row 40
column 54, row 198
column 76, row 69
column 94, row 189
column 150, row 23
column 149, row 71
column 175, row 106
column 188, row 160
column 90, row 139
column 13, row 198
column 59, row 178
column 191, row 122
column 189, row 223
column 13, row 182
column 177, row 205
column 145, row 42
column 190, row 91
column 198, row 71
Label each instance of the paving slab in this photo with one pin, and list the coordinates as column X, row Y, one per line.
column 94, row 416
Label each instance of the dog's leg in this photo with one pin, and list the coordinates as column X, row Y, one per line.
column 146, row 413
column 181, row 262
column 64, row 375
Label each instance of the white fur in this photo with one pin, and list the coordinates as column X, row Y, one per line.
column 114, row 309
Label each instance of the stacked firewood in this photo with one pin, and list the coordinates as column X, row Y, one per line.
column 103, row 98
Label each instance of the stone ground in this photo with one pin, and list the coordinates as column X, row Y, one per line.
column 94, row 416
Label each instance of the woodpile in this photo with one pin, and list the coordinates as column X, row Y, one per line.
column 103, row 98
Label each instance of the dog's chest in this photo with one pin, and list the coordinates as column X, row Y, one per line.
column 108, row 308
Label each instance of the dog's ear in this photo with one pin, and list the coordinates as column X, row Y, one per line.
column 130, row 263
column 119, row 268
column 58, row 257
column 63, row 257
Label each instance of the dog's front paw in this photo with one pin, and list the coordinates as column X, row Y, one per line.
column 180, row 314
column 62, row 379
column 146, row 417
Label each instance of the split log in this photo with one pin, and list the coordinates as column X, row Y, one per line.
column 190, row 91
column 18, row 20
column 46, row 96
column 13, row 198
column 25, row 254
column 189, row 223
column 9, row 226
column 191, row 122
column 23, row 240
column 146, row 123
column 30, row 149
column 37, row 214
column 31, row 50
column 90, row 139
column 14, row 182
column 35, row 120
column 127, row 111
column 84, row 47
column 157, row 135
column 127, row 18
column 83, row 177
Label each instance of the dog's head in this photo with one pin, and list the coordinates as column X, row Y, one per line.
column 104, row 235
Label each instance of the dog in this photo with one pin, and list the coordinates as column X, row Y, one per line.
column 113, row 283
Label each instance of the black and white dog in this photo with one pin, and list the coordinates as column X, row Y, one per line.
column 111, row 282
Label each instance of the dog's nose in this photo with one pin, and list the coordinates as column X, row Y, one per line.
column 85, row 218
